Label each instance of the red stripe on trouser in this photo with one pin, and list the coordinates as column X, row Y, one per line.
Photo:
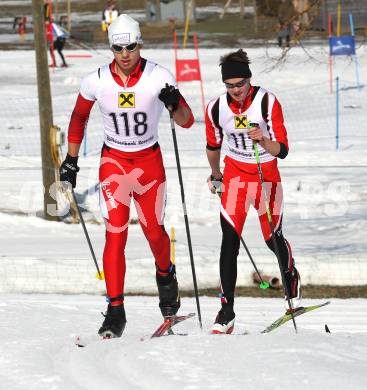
column 142, row 179
column 243, row 189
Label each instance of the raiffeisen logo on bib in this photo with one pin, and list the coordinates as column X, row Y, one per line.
column 241, row 122
column 126, row 100
column 121, row 39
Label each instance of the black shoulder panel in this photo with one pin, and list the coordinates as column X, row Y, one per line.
column 143, row 63
column 215, row 114
column 264, row 107
column 254, row 92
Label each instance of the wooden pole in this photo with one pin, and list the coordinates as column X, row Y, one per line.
column 45, row 109
column 69, row 15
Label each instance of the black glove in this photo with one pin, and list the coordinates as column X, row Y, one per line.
column 69, row 169
column 170, row 96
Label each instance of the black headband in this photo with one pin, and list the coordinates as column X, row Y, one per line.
column 235, row 69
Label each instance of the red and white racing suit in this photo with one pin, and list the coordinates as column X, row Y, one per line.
column 131, row 164
column 227, row 119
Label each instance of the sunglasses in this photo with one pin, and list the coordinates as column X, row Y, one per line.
column 129, row 48
column 236, row 85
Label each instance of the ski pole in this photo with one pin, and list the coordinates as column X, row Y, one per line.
column 285, row 287
column 263, row 285
column 99, row 273
column 185, row 214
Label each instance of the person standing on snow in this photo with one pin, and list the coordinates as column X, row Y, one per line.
column 230, row 116
column 59, row 36
column 109, row 14
column 131, row 93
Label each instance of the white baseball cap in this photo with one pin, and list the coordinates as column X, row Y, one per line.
column 123, row 31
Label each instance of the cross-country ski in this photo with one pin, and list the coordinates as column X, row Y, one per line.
column 287, row 316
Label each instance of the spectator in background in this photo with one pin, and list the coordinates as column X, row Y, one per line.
column 59, row 36
column 20, row 23
column 109, row 14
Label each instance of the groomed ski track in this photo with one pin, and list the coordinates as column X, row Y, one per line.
column 37, row 349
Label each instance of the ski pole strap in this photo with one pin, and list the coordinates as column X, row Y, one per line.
column 114, row 299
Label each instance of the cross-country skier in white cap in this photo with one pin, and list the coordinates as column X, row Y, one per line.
column 131, row 93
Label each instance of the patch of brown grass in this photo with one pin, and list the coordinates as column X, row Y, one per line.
column 343, row 292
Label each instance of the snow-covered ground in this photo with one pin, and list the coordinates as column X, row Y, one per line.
column 325, row 221
column 37, row 350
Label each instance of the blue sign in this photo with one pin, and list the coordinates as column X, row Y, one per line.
column 342, row 46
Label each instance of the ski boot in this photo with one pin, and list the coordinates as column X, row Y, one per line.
column 114, row 322
column 224, row 322
column 169, row 297
column 293, row 282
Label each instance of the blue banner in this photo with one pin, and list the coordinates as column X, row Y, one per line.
column 342, row 46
